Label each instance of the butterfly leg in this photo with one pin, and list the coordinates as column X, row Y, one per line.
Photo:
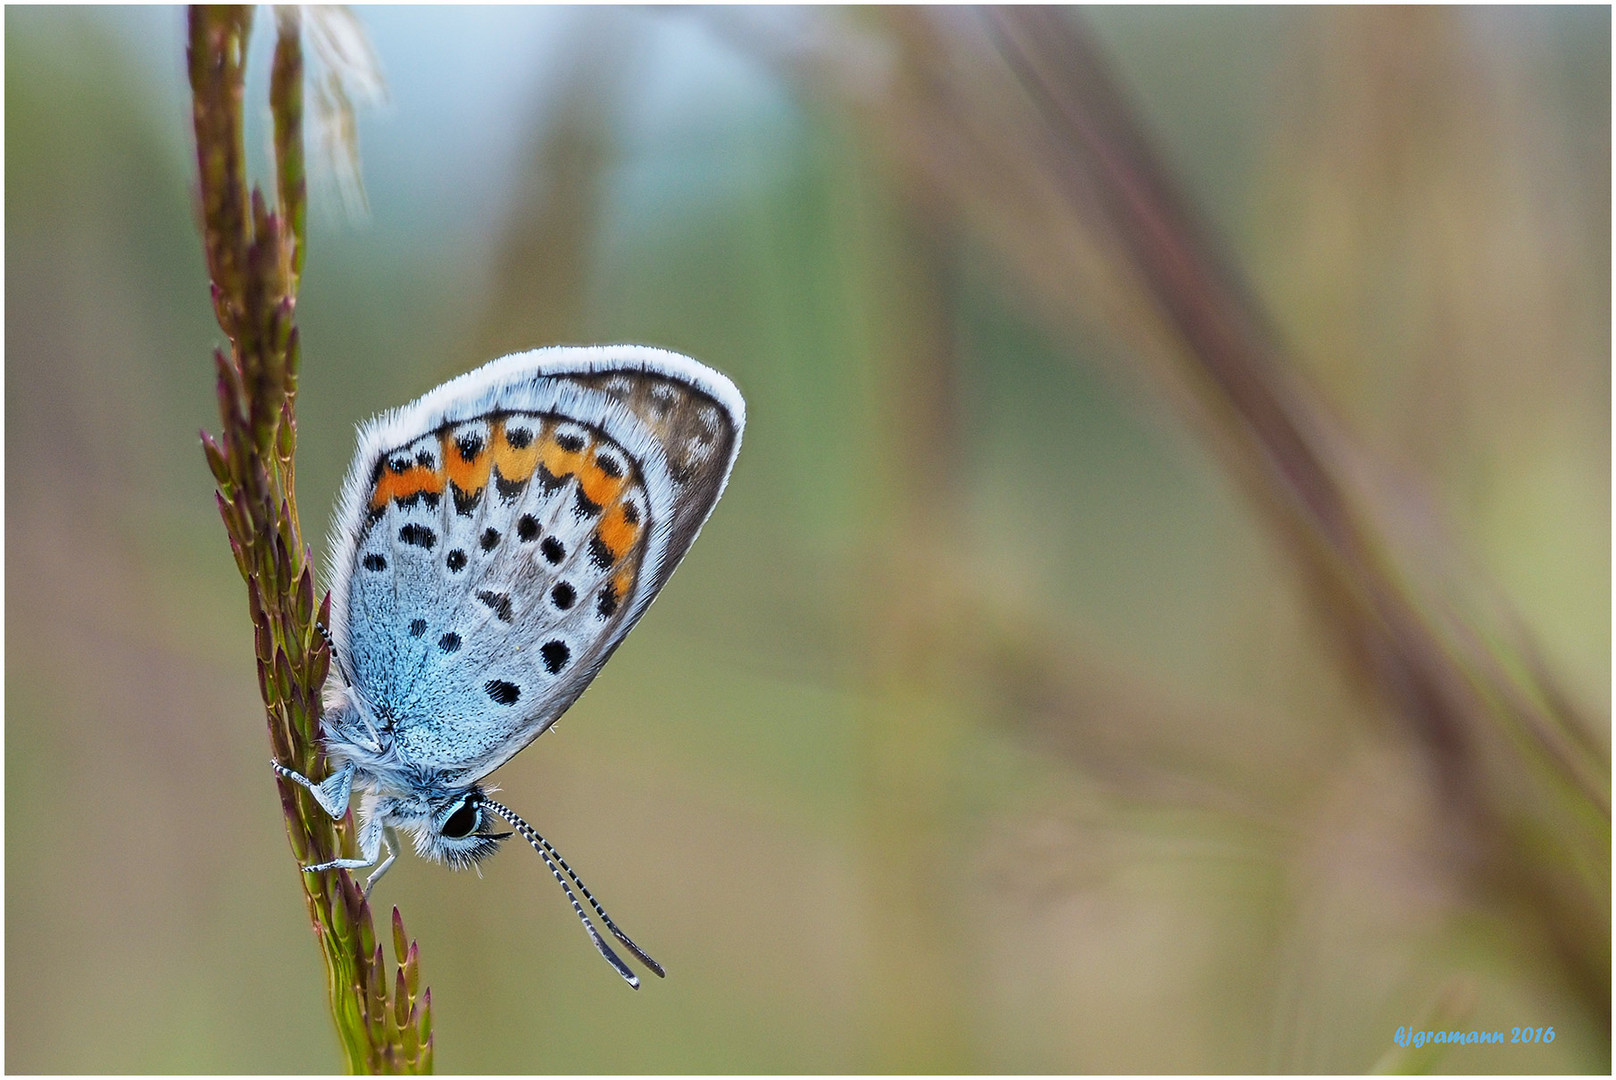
column 371, row 838
column 332, row 795
column 390, row 839
column 333, row 799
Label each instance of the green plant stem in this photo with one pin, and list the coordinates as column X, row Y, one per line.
column 255, row 256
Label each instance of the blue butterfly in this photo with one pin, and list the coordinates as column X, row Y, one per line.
column 495, row 540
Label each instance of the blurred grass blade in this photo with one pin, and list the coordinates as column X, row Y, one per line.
column 347, row 76
column 1528, row 797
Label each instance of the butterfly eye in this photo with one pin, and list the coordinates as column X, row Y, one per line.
column 463, row 822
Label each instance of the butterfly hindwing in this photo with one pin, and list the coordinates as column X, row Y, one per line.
column 515, row 523
column 698, row 436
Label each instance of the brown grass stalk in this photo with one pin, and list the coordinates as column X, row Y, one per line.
column 254, row 257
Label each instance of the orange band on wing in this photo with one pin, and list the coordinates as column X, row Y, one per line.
column 616, row 532
column 600, row 488
column 623, row 582
column 412, row 481
column 513, row 463
column 557, row 460
column 469, row 476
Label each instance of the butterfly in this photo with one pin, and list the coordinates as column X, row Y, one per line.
column 494, row 542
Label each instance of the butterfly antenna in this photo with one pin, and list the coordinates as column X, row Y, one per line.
column 342, row 670
column 627, row 941
column 552, row 858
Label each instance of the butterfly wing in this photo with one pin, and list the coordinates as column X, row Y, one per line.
column 500, row 536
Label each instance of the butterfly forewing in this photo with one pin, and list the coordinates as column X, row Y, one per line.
column 512, row 538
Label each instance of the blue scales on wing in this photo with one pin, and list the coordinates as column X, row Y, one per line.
column 492, row 575
column 506, row 555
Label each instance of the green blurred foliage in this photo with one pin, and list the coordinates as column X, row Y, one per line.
column 1163, row 834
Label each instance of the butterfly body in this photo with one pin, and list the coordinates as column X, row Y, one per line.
column 495, row 541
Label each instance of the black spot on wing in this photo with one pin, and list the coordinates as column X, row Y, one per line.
column 549, row 482
column 465, row 504
column 556, row 654
column 449, row 642
column 584, row 506
column 417, row 535
column 374, row 561
column 498, row 603
column 563, row 596
column 554, row 550
column 570, row 441
column 600, row 554
column 606, row 603
column 489, row 540
column 416, row 497
column 508, row 490
column 457, row 560
column 518, row 437
column 503, row 692
column 417, row 628
column 609, row 465
column 469, row 445
column 528, row 527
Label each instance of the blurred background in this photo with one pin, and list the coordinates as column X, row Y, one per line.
column 992, row 725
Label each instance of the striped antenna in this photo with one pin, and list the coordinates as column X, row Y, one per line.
column 552, row 858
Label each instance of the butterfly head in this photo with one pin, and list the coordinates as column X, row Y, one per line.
column 453, row 830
